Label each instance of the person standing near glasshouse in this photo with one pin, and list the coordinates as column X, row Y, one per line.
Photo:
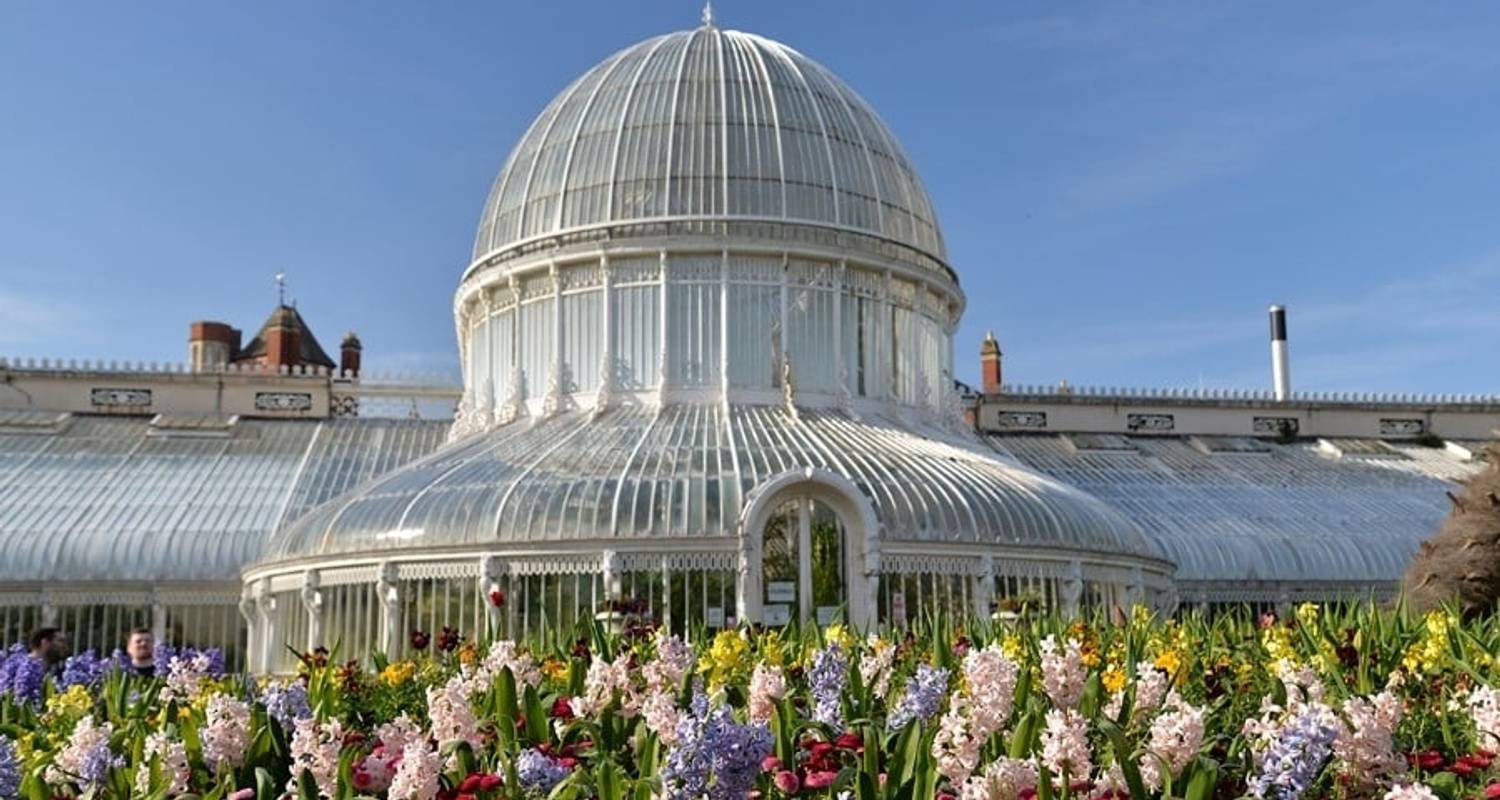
column 49, row 646
column 140, row 652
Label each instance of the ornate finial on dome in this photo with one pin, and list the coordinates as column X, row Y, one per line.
column 708, row 13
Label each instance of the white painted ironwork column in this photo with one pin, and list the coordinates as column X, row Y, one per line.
column 312, row 604
column 388, row 585
column 984, row 587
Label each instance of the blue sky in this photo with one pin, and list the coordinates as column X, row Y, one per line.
column 1124, row 186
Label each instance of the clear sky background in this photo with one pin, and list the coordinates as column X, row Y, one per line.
column 1124, row 186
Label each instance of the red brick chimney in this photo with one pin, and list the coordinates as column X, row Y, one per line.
column 990, row 377
column 349, row 350
column 283, row 339
column 211, row 344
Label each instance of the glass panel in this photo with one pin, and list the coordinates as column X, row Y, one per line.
column 828, row 563
column 780, row 561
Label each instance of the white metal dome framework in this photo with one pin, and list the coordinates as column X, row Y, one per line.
column 707, row 345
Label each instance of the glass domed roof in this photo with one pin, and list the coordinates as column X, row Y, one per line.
column 708, row 124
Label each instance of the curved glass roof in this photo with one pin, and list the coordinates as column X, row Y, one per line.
column 1291, row 514
column 114, row 499
column 683, row 472
column 708, row 123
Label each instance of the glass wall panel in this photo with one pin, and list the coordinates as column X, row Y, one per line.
column 755, row 335
column 583, row 340
column 701, row 601
column 536, row 336
column 502, row 353
column 810, row 334
column 693, row 317
column 100, row 628
column 351, row 620
column 204, row 626
column 635, row 334
column 17, row 622
column 430, row 604
column 551, row 606
column 291, row 623
column 905, row 597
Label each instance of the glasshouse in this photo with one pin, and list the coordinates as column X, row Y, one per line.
column 708, row 358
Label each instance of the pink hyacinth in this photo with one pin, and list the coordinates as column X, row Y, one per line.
column 991, row 678
column 417, row 777
column 600, row 684
column 173, row 764
column 1366, row 743
column 674, row 659
column 875, row 666
column 315, row 747
column 1065, row 747
column 451, row 714
column 1004, row 779
column 1062, row 672
column 1173, row 741
column 226, row 732
column 1411, row 791
column 977, row 714
column 1484, row 710
column 660, row 712
column 767, row 687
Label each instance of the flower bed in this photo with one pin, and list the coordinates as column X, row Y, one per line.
column 1328, row 703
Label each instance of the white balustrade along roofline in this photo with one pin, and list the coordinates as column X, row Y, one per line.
column 429, row 380
column 1243, row 395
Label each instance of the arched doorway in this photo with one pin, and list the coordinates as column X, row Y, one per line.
column 808, row 551
column 805, row 563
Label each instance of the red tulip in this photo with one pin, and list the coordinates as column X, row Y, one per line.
column 849, row 741
column 770, row 764
column 787, row 782
column 562, row 708
column 1492, row 792
column 489, row 783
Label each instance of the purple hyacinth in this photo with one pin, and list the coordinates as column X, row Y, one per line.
column 286, row 703
column 21, row 676
column 714, row 756
column 97, row 763
column 826, row 679
column 539, row 772
column 163, row 654
column 10, row 770
column 84, row 669
column 923, row 698
column 1295, row 757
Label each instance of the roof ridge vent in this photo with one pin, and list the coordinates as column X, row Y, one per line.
column 33, row 422
column 208, row 426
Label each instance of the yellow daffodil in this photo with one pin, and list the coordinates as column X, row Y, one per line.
column 840, row 635
column 727, row 656
column 397, row 673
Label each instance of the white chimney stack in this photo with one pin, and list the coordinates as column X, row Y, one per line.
column 1281, row 370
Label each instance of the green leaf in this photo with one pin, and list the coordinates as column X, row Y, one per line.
column 1123, row 757
column 307, row 786
column 1204, row 776
column 265, row 785
column 1444, row 785
column 505, row 694
column 536, row 718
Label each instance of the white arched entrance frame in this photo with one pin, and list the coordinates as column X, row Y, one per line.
column 861, row 531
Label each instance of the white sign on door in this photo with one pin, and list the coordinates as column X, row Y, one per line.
column 713, row 617
column 781, row 592
column 777, row 614
column 827, row 615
